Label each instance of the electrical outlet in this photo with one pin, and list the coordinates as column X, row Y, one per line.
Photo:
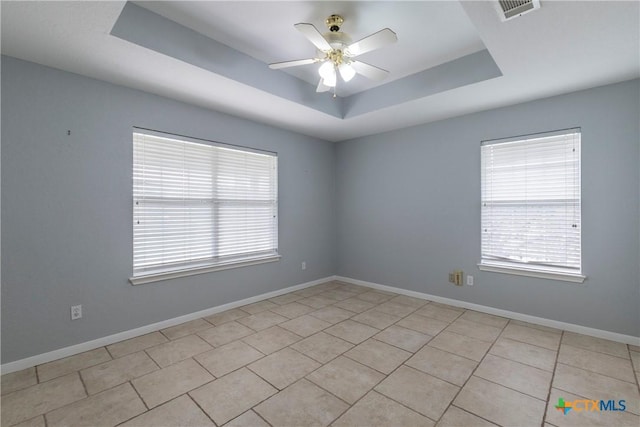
column 469, row 280
column 76, row 312
column 304, row 265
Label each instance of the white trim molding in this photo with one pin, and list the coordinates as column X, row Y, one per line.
column 530, row 272
column 156, row 277
column 598, row 333
column 132, row 333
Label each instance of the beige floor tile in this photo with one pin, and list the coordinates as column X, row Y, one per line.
column 456, row 417
column 117, row 371
column 376, row 410
column 30, row 402
column 328, row 286
column 322, row 347
column 225, row 333
column 596, row 386
column 355, row 305
column 528, row 354
column 378, row 355
column 33, row 422
column 423, row 393
column 338, row 295
column 377, row 319
column 229, row 357
column 634, row 348
column 262, row 320
column 98, row 410
column 406, row 339
column 588, row 417
column 18, row 380
column 410, row 301
column 448, row 306
column 441, row 364
column 423, row 324
column 292, row 310
column 317, row 301
column 167, row 383
column 226, row 316
column 258, row 307
column 349, row 287
column 485, row 319
column 351, row 331
column 461, row 345
column 285, row 299
column 305, row 325
column 309, row 292
column 332, row 314
column 474, row 330
column 523, row 378
column 345, row 378
column 61, row 367
column 535, row 326
column 284, row 367
column 601, row 363
column 439, row 313
column 180, row 412
column 248, row 419
column 273, row 339
column 301, row 404
column 174, row 351
column 187, row 328
column 231, row 395
column 490, row 401
column 395, row 309
column 538, row 337
column 136, row 344
column 374, row 297
column 635, row 358
column 595, row 344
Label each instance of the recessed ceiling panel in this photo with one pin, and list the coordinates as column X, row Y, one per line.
column 429, row 33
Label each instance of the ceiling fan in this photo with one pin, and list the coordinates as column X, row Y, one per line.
column 336, row 53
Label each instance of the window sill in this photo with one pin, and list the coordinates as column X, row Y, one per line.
column 156, row 277
column 519, row 271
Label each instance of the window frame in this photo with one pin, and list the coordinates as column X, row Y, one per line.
column 538, row 270
column 185, row 268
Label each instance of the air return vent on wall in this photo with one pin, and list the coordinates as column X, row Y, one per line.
column 509, row 9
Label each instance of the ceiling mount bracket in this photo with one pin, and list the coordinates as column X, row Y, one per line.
column 334, row 22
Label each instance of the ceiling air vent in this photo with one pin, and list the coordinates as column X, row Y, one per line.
column 509, row 9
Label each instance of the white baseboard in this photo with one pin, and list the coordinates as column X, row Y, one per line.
column 598, row 333
column 132, row 333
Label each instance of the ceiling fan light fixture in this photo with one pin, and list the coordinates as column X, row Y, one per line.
column 346, row 72
column 326, row 70
column 330, row 79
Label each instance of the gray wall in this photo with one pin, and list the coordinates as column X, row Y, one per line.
column 408, row 208
column 67, row 209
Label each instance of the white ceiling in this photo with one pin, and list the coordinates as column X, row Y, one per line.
column 562, row 47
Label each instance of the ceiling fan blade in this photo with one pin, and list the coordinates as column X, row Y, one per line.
column 314, row 36
column 322, row 87
column 278, row 65
column 374, row 41
column 369, row 71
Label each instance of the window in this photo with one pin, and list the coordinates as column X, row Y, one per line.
column 200, row 207
column 531, row 206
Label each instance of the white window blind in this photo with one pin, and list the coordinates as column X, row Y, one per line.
column 199, row 205
column 531, row 202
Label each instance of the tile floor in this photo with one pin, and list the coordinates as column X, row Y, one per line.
column 334, row 354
